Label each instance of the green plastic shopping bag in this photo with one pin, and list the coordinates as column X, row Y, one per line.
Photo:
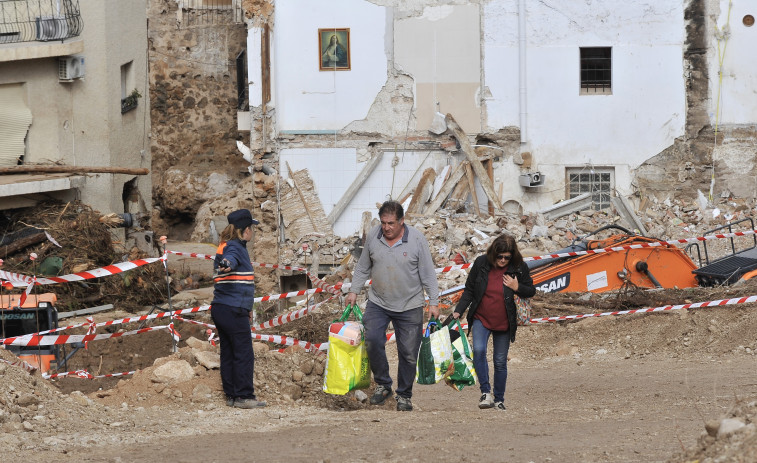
column 464, row 374
column 347, row 365
column 435, row 355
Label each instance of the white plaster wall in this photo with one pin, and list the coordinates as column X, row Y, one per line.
column 738, row 97
column 114, row 33
column 309, row 99
column 334, row 169
column 644, row 114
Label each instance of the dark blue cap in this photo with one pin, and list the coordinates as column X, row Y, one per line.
column 241, row 218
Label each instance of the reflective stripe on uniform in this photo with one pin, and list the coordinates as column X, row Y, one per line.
column 235, row 277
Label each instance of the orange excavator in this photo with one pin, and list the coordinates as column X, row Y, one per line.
column 37, row 313
column 663, row 266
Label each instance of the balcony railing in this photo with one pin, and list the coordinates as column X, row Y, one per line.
column 39, row 20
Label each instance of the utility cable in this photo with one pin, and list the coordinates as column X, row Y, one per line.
column 722, row 35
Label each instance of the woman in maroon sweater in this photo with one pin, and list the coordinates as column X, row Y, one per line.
column 493, row 280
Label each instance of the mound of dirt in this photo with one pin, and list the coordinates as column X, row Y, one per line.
column 31, row 406
column 730, row 438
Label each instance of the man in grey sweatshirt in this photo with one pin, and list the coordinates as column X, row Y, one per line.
column 396, row 257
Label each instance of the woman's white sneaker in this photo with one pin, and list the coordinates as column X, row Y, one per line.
column 486, row 401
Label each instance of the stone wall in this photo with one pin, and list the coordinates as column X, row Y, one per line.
column 194, row 104
column 198, row 171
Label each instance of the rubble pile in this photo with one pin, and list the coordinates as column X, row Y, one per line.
column 192, row 375
column 31, row 406
column 70, row 238
column 456, row 238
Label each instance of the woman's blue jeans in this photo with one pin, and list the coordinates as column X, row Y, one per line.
column 501, row 344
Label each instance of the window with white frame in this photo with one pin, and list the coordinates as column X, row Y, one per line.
column 596, row 70
column 599, row 182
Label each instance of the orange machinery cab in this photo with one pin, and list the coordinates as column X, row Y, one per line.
column 665, row 266
column 38, row 313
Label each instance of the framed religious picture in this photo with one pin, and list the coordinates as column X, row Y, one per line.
column 334, row 49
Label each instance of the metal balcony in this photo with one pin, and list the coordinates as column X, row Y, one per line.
column 39, row 20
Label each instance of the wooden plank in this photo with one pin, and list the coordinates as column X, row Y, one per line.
column 447, row 188
column 422, row 193
column 490, row 174
column 439, row 181
column 72, row 170
column 302, row 197
column 336, row 212
column 22, row 243
column 472, row 188
column 478, row 168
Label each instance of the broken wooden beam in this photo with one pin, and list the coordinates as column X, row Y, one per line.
column 21, row 243
column 472, row 188
column 437, row 202
column 490, row 175
column 423, row 192
column 478, row 168
column 31, row 169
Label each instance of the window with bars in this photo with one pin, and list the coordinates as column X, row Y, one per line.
column 600, row 183
column 596, row 70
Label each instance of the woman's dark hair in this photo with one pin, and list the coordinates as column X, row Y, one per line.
column 501, row 244
column 392, row 207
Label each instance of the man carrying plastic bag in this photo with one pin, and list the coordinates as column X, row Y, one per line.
column 347, row 362
column 435, row 355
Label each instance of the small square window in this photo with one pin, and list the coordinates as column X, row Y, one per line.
column 597, row 181
column 596, row 70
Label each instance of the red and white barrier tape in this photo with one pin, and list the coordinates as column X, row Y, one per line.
column 26, row 293
column 20, row 363
column 37, row 340
column 18, row 280
column 665, row 308
column 84, row 374
column 14, row 278
column 291, row 316
column 141, row 318
column 91, row 329
column 288, row 341
column 290, row 294
column 194, row 322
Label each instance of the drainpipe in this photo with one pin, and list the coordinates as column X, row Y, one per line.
column 522, row 67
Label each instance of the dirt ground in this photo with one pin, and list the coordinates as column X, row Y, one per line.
column 623, row 388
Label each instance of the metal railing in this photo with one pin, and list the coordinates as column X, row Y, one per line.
column 210, row 12
column 39, row 20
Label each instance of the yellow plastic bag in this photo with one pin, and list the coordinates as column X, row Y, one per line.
column 347, row 365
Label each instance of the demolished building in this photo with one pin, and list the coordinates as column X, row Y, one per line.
column 624, row 103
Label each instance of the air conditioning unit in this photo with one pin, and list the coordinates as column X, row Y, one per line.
column 531, row 179
column 52, row 28
column 70, row 68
